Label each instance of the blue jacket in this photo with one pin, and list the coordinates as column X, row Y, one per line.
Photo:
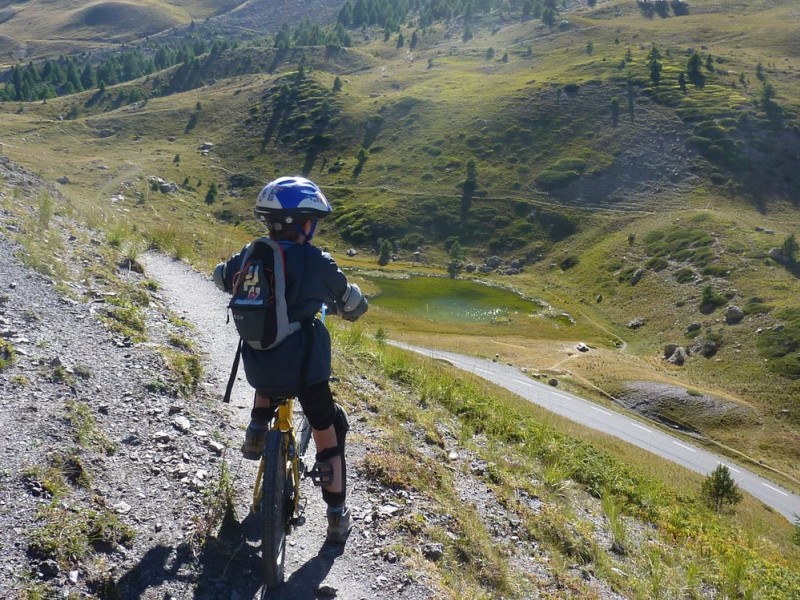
column 312, row 278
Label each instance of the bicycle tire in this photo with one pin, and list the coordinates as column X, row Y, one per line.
column 275, row 508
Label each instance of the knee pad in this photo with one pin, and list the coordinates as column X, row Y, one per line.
column 341, row 426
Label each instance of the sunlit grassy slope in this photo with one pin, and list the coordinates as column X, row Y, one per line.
column 582, row 196
column 37, row 29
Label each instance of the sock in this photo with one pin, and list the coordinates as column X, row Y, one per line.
column 259, row 417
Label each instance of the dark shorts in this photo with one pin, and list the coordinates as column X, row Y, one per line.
column 317, row 403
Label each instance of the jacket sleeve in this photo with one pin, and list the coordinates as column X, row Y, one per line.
column 224, row 271
column 345, row 298
column 335, row 280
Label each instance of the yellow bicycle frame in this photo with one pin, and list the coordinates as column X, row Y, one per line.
column 284, row 423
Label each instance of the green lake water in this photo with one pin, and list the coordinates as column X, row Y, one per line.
column 454, row 300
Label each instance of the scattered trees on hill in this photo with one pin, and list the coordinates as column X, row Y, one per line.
column 549, row 17
column 661, row 8
column 73, row 74
column 390, row 14
column 693, row 70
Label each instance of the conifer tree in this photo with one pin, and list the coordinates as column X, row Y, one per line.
column 719, row 488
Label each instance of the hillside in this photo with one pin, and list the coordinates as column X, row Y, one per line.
column 125, row 481
column 551, row 147
column 631, row 171
column 40, row 29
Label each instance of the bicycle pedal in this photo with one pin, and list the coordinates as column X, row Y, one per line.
column 321, row 475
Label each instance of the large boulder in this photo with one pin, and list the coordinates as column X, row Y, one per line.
column 777, row 255
column 679, row 357
column 636, row 322
column 733, row 315
column 493, row 262
column 704, row 347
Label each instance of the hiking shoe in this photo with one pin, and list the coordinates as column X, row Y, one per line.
column 339, row 525
column 254, row 439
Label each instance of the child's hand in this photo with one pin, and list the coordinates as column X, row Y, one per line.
column 353, row 304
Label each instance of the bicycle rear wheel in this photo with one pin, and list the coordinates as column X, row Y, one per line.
column 275, row 508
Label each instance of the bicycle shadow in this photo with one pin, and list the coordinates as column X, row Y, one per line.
column 237, row 548
column 304, row 583
column 230, row 559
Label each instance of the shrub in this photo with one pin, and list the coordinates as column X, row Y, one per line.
column 552, row 180
column 710, row 300
column 796, row 532
column 6, row 354
column 719, row 488
column 657, row 264
column 756, row 305
column 716, row 271
column 569, row 164
column 568, row 262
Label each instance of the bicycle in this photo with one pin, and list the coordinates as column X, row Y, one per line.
column 276, row 493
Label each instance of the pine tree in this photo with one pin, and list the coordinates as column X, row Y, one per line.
column 719, row 488
column 385, row 254
column 211, row 194
column 790, row 248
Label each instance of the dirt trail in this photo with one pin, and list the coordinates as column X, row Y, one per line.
column 314, row 569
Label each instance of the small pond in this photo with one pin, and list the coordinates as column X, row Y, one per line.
column 455, row 300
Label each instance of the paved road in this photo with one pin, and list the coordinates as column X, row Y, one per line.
column 619, row 425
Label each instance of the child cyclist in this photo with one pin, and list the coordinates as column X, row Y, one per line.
column 301, row 364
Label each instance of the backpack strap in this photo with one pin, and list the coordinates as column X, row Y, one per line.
column 234, row 369
column 308, row 340
column 308, row 335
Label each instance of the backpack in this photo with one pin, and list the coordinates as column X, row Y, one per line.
column 258, row 304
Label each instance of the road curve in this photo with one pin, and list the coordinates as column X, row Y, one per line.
column 619, row 425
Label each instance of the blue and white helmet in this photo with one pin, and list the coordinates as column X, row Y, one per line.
column 291, row 201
